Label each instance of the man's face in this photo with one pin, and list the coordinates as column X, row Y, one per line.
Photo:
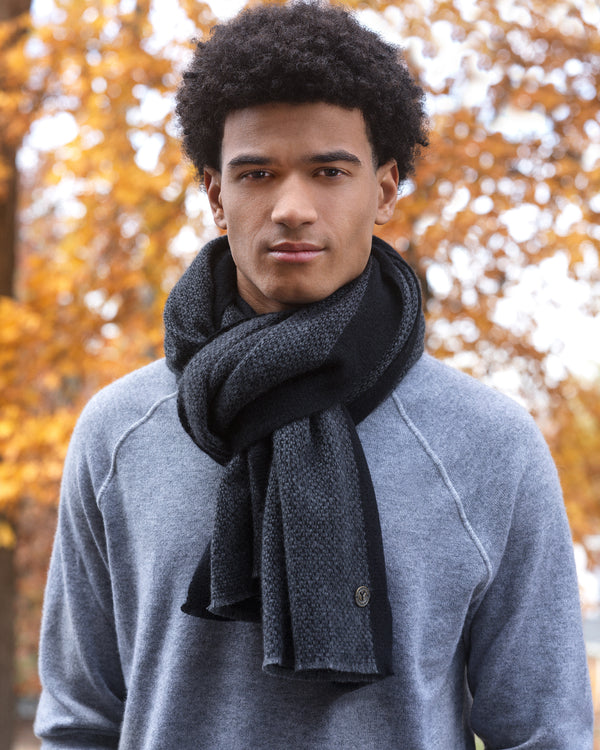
column 298, row 194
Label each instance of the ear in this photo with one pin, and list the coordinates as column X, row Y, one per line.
column 387, row 180
column 212, row 184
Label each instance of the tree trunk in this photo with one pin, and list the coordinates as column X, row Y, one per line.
column 7, row 636
column 9, row 9
column 8, row 214
column 7, row 552
column 13, row 8
column 7, row 639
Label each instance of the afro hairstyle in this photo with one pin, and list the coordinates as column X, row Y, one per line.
column 299, row 53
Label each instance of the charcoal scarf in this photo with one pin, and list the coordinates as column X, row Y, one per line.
column 275, row 399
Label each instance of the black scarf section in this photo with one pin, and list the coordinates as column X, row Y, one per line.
column 275, row 399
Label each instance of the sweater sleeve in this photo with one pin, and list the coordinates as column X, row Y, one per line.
column 527, row 669
column 83, row 689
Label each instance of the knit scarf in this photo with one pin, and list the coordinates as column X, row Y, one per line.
column 275, row 399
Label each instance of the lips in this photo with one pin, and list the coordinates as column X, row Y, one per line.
column 295, row 252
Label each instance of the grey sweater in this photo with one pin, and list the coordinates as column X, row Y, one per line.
column 487, row 625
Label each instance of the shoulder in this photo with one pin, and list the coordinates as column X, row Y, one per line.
column 486, row 446
column 115, row 411
column 433, row 381
column 128, row 399
column 454, row 411
column 132, row 395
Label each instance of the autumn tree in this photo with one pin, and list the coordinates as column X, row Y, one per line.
column 109, row 219
column 99, row 220
column 14, row 27
column 511, row 181
column 574, row 437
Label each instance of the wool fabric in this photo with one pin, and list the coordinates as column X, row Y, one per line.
column 275, row 399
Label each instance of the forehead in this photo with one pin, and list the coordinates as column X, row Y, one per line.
column 295, row 129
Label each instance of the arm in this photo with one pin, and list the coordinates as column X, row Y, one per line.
column 83, row 688
column 527, row 669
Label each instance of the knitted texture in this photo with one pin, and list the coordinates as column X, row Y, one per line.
column 275, row 398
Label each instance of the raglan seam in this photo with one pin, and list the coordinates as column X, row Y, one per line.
column 439, row 466
column 121, row 440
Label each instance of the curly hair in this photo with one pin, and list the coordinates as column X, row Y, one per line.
column 299, row 53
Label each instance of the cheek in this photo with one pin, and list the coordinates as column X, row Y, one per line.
column 245, row 219
column 359, row 232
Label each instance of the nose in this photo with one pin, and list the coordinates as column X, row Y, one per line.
column 294, row 204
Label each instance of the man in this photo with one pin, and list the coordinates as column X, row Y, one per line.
column 300, row 531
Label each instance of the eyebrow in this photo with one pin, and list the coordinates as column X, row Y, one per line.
column 327, row 157
column 244, row 160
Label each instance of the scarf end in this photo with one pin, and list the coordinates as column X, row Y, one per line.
column 248, row 610
column 189, row 608
column 328, row 674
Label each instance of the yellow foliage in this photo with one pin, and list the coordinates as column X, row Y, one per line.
column 94, row 261
column 8, row 538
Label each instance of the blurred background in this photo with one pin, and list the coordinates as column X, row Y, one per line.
column 99, row 215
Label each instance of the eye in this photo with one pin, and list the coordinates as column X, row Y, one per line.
column 255, row 174
column 330, row 172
